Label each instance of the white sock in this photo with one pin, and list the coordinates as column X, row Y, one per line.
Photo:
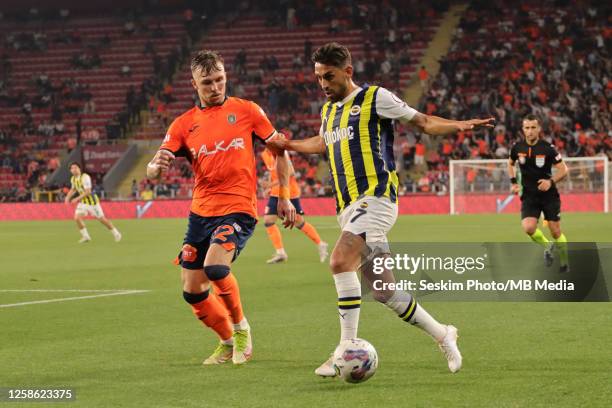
column 228, row 342
column 349, row 303
column 115, row 231
column 410, row 311
column 241, row 325
column 281, row 251
column 399, row 302
column 84, row 233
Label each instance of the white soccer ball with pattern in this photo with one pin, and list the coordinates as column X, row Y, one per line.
column 355, row 360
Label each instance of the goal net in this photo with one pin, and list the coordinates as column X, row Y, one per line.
column 483, row 186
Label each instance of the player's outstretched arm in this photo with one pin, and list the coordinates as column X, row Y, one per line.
column 160, row 162
column 311, row 145
column 437, row 126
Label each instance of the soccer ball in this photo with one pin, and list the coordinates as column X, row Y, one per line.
column 355, row 360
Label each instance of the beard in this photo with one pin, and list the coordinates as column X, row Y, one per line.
column 337, row 96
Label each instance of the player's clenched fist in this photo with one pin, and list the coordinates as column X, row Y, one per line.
column 277, row 144
column 160, row 162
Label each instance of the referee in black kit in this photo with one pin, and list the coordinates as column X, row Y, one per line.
column 538, row 189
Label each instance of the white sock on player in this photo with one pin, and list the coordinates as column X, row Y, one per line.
column 241, row 325
column 349, row 303
column 410, row 311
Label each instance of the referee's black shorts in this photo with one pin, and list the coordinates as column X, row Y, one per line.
column 534, row 204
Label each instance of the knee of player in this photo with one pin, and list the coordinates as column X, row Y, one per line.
column 299, row 223
column 530, row 229
column 338, row 264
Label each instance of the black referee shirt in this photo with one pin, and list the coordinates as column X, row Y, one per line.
column 535, row 162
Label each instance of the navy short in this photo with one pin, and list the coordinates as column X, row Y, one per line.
column 232, row 231
column 271, row 207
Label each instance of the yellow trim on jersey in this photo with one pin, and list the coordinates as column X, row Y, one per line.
column 364, row 140
column 347, row 161
column 77, row 184
column 330, row 147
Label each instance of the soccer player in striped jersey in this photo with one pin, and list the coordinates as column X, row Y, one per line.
column 357, row 135
column 88, row 203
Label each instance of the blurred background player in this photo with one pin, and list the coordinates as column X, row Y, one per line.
column 218, row 141
column 88, row 203
column 539, row 193
column 357, row 135
column 270, row 214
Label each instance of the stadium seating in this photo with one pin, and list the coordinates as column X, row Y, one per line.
column 259, row 41
column 547, row 58
column 61, row 40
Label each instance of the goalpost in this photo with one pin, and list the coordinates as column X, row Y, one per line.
column 483, row 186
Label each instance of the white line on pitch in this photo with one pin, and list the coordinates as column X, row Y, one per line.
column 129, row 292
column 66, row 290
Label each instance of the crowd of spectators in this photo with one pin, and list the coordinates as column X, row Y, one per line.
column 509, row 59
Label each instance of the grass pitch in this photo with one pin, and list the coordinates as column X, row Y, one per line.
column 146, row 349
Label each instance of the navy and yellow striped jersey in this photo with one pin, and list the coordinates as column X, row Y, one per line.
column 80, row 183
column 360, row 149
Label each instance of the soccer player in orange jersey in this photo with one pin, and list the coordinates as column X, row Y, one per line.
column 271, row 214
column 218, row 140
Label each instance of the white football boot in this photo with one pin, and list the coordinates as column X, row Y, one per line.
column 448, row 345
column 278, row 258
column 327, row 368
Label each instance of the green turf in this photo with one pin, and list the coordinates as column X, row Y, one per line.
column 146, row 349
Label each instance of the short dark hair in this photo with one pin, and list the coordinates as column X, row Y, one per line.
column 208, row 61
column 531, row 116
column 74, row 163
column 333, row 54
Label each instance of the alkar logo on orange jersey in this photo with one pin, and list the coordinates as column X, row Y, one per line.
column 221, row 146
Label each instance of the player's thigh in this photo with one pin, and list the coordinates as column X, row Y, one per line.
column 194, row 280
column 347, row 253
column 219, row 255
